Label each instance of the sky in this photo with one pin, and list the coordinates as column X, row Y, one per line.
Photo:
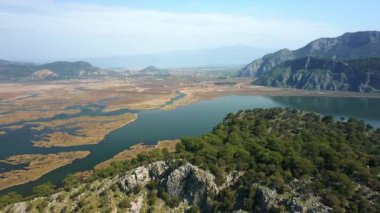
column 46, row 30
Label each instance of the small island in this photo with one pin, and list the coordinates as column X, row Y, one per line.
column 89, row 129
column 38, row 165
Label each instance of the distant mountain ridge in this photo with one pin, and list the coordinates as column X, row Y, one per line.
column 360, row 75
column 221, row 56
column 16, row 71
column 153, row 71
column 356, row 45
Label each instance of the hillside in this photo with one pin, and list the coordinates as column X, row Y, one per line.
column 349, row 46
column 153, row 71
column 263, row 160
column 361, row 75
column 15, row 71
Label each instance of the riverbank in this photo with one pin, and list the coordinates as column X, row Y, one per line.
column 208, row 92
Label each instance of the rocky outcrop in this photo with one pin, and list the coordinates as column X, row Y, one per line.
column 187, row 182
column 267, row 200
column 44, row 75
column 349, row 46
column 191, row 183
column 194, row 186
column 143, row 175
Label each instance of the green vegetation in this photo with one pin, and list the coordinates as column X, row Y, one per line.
column 9, row 198
column 225, row 83
column 44, row 189
column 276, row 146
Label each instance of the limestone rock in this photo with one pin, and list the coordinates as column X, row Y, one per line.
column 191, row 183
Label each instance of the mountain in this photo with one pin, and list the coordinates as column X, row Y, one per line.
column 361, row 75
column 10, row 71
column 356, row 45
column 15, row 71
column 261, row 160
column 153, row 71
column 222, row 56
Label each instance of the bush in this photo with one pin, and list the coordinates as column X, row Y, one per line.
column 44, row 189
column 11, row 197
column 174, row 201
column 125, row 203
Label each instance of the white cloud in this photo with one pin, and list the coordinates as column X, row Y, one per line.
column 44, row 28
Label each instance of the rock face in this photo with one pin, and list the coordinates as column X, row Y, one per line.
column 361, row 75
column 187, row 182
column 194, row 186
column 267, row 200
column 143, row 175
column 191, row 183
column 356, row 45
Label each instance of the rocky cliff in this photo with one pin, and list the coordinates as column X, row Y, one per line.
column 362, row 75
column 132, row 192
column 356, row 45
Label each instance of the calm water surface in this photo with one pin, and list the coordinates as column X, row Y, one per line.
column 191, row 120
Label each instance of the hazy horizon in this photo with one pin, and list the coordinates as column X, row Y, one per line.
column 48, row 30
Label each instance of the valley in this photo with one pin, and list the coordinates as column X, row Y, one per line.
column 86, row 115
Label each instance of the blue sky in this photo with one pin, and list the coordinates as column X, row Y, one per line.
column 43, row 30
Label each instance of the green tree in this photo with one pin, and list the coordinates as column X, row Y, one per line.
column 44, row 189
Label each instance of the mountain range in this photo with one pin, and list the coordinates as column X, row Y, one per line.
column 362, row 75
column 346, row 63
column 222, row 56
column 356, row 45
column 19, row 71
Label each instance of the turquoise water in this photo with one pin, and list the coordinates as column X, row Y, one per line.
column 191, row 120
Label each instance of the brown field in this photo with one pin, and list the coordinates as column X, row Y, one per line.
column 91, row 129
column 38, row 165
column 29, row 101
column 31, row 115
column 132, row 152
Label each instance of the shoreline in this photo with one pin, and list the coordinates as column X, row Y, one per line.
column 196, row 94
